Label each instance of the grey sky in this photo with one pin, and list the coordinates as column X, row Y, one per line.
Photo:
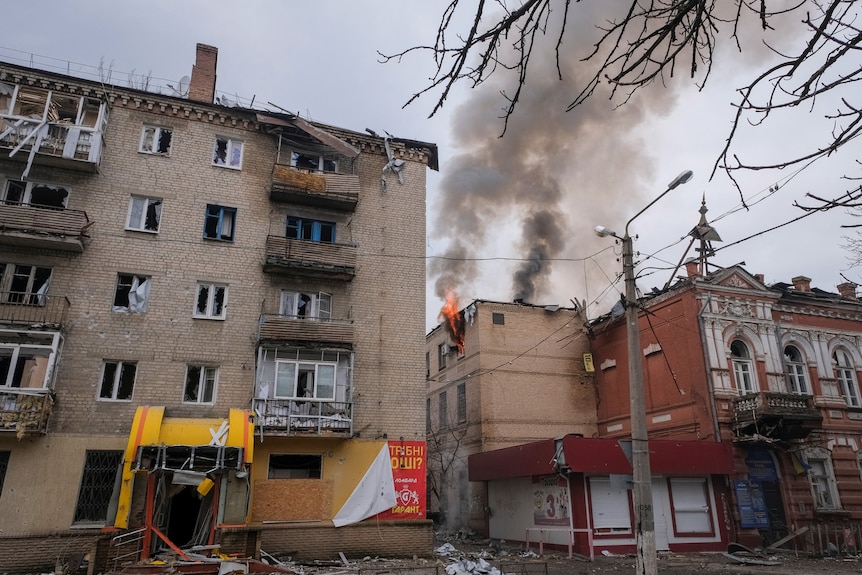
column 319, row 59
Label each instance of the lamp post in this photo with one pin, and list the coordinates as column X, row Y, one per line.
column 641, row 475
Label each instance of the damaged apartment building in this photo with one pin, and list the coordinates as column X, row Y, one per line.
column 199, row 344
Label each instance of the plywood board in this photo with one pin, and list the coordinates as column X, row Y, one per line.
column 292, row 500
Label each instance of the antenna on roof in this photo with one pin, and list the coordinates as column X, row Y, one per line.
column 182, row 89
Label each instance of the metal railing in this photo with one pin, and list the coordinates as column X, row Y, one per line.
column 306, row 415
column 33, row 308
column 25, row 410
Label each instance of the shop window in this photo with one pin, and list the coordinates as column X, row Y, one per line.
column 219, row 223
column 796, row 370
column 743, row 367
column 211, row 301
column 156, row 140
column 228, row 153
column 200, row 384
column 98, row 483
column 145, row 213
column 132, row 293
column 692, row 512
column 610, row 507
column 294, row 466
column 118, row 380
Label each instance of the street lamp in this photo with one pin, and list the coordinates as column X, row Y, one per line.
column 641, row 476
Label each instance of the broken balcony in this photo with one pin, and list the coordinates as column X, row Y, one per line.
column 51, row 128
column 321, row 190
column 287, row 329
column 296, row 417
column 25, row 411
column 310, row 259
column 773, row 416
column 33, row 309
column 36, row 226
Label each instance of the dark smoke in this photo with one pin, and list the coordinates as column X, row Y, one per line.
column 542, row 237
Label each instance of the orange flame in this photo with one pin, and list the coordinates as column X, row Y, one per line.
column 450, row 316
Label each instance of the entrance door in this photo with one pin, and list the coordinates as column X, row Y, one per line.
column 775, row 508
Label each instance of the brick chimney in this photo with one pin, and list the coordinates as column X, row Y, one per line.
column 692, row 269
column 801, row 283
column 202, row 85
column 847, row 289
column 759, row 277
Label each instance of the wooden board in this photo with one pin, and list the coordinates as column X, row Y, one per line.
column 292, row 500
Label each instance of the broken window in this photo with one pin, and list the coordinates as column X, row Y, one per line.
column 98, row 486
column 145, row 213
column 35, row 194
column 306, row 306
column 821, row 475
column 219, row 223
column 308, row 229
column 296, row 380
column 156, row 140
column 24, row 366
column 200, row 384
column 743, row 367
column 4, row 465
column 132, row 293
column 211, row 300
column 312, row 162
column 795, row 370
column 6, row 93
column 118, row 380
column 23, row 284
column 845, row 373
column 290, row 466
column 227, row 153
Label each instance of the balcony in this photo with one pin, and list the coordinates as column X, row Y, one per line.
column 25, row 411
column 33, row 309
column 774, row 416
column 310, row 259
column 303, row 417
column 287, row 329
column 322, row 190
column 42, row 227
column 51, row 128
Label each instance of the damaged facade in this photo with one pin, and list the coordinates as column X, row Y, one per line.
column 480, row 399
column 198, row 342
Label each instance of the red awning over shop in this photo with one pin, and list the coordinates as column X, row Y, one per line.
column 601, row 457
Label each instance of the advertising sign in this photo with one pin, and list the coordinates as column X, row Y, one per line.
column 408, row 459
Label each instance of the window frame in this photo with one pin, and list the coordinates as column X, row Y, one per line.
column 118, row 370
column 310, row 229
column 313, row 473
column 821, row 480
column 97, row 483
column 156, row 139
column 230, row 146
column 27, row 193
column 319, row 304
column 16, row 370
column 208, row 384
column 10, row 275
column 678, row 511
column 845, row 376
column 442, row 353
column 796, row 370
column 443, row 410
column 219, row 214
column 148, row 201
column 140, row 284
column 300, row 367
column 743, row 369
column 461, row 402
column 208, row 313
column 322, row 162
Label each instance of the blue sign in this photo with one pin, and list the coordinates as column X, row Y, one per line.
column 751, row 504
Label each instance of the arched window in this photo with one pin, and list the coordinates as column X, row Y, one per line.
column 845, row 373
column 743, row 367
column 795, row 370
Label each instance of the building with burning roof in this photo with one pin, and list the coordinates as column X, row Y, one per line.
column 197, row 344
column 500, row 375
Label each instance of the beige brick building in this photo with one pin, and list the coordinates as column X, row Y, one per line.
column 519, row 377
column 177, row 275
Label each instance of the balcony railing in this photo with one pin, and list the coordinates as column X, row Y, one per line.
column 43, row 227
column 287, row 328
column 775, row 415
column 24, row 411
column 310, row 259
column 303, row 416
column 54, row 143
column 33, row 309
column 326, row 190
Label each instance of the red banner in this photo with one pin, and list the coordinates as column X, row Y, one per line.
column 408, row 469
